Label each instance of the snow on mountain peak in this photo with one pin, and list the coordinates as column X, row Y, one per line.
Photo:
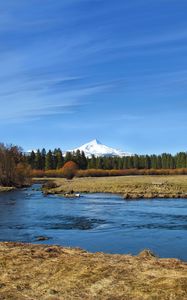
column 95, row 141
column 96, row 148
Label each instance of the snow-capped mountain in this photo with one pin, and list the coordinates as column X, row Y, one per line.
column 98, row 149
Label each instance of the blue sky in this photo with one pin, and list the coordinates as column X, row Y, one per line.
column 75, row 70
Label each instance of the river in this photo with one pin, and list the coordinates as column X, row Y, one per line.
column 95, row 222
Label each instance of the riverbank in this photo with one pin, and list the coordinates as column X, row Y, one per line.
column 130, row 187
column 50, row 272
column 6, row 189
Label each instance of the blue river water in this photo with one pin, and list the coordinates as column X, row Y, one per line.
column 96, row 222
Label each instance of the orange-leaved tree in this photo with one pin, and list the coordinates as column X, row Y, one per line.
column 69, row 169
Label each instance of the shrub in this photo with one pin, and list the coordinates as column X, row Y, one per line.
column 69, row 169
column 14, row 171
column 22, row 174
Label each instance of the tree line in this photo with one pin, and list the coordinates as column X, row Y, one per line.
column 15, row 166
column 54, row 160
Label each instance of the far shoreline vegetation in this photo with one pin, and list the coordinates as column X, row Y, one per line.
column 53, row 164
column 55, row 160
column 17, row 169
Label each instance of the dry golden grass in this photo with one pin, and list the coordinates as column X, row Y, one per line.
column 6, row 189
column 129, row 186
column 51, row 272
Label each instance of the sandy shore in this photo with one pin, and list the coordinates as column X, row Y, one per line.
column 51, row 272
column 130, row 187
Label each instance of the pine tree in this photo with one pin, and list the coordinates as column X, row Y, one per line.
column 60, row 159
column 125, row 165
column 99, row 163
column 181, row 160
column 84, row 162
column 43, row 154
column 31, row 160
column 49, row 160
column 38, row 160
column 136, row 162
column 159, row 162
column 129, row 162
column 78, row 158
column 68, row 157
column 147, row 162
column 153, row 160
column 92, row 162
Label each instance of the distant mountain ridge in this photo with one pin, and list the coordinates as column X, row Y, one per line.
column 96, row 148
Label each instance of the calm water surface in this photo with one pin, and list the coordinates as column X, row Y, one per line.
column 96, row 222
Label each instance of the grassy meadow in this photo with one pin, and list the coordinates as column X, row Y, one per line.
column 128, row 186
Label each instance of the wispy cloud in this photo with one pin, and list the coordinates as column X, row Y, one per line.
column 90, row 64
column 31, row 102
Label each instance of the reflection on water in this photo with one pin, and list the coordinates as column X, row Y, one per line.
column 96, row 222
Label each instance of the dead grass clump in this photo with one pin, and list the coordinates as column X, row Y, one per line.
column 146, row 254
